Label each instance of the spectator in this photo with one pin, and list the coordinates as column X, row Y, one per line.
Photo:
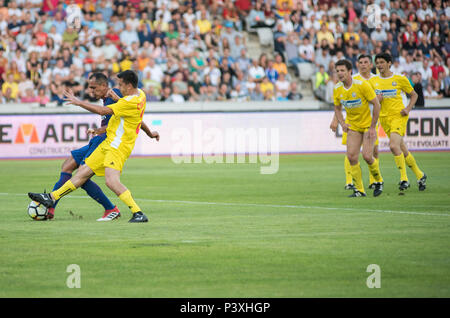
column 10, row 89
column 306, row 51
column 256, row 94
column 42, row 97
column 256, row 73
column 418, row 88
column 282, row 86
column 321, row 80
column 223, row 93
column 293, row 92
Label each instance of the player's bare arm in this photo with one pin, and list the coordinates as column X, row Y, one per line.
column 334, row 123
column 340, row 117
column 96, row 131
column 112, row 94
column 151, row 134
column 413, row 99
column 72, row 99
column 375, row 115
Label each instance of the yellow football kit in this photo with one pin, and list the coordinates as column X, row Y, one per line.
column 355, row 100
column 392, row 89
column 121, row 132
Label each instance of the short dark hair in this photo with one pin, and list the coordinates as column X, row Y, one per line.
column 385, row 56
column 99, row 78
column 129, row 77
column 362, row 56
column 346, row 63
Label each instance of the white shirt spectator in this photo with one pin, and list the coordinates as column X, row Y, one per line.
column 307, row 50
column 156, row 73
column 63, row 72
column 421, row 13
column 256, row 72
column 17, row 12
column 281, row 85
column 57, row 38
column 127, row 37
column 378, row 35
column 110, row 51
column 426, row 73
column 286, row 25
column 214, row 74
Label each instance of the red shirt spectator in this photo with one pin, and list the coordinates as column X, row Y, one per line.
column 49, row 5
column 243, row 5
column 436, row 68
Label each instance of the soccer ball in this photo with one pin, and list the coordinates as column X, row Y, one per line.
column 37, row 211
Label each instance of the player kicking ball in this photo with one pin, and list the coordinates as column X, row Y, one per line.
column 390, row 89
column 109, row 157
column 355, row 95
column 98, row 87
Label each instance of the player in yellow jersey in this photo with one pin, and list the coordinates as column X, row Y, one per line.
column 390, row 89
column 109, row 157
column 364, row 65
column 355, row 95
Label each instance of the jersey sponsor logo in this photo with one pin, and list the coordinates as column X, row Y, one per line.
column 387, row 93
column 352, row 103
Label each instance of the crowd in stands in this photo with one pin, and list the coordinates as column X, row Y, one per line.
column 196, row 50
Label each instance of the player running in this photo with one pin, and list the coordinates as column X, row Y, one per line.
column 109, row 157
column 98, row 86
column 364, row 65
column 354, row 95
column 390, row 89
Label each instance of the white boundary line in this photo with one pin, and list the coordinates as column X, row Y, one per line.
column 264, row 205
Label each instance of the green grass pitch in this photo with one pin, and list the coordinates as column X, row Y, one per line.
column 225, row 230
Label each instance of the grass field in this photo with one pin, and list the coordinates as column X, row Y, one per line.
column 225, row 230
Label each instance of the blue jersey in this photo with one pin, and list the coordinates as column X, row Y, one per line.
column 82, row 153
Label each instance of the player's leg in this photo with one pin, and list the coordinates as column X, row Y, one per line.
column 375, row 155
column 348, row 174
column 112, row 180
column 373, row 164
column 412, row 164
column 48, row 199
column 91, row 188
column 354, row 141
column 68, row 167
column 395, row 141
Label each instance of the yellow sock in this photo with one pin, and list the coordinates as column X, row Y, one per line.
column 411, row 162
column 128, row 200
column 357, row 176
column 375, row 174
column 348, row 171
column 66, row 188
column 400, row 162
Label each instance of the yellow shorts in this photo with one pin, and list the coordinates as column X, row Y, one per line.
column 344, row 135
column 394, row 123
column 105, row 156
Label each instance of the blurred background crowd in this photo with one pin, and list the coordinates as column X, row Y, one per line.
column 198, row 50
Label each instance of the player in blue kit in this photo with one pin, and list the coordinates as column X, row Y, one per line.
column 98, row 85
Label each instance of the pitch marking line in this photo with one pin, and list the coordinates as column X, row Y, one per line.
column 266, row 205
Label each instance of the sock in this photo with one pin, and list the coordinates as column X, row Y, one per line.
column 357, row 176
column 66, row 188
column 400, row 162
column 411, row 162
column 96, row 193
column 64, row 176
column 128, row 200
column 374, row 169
column 348, row 172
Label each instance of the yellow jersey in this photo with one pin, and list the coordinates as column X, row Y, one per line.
column 355, row 100
column 393, row 89
column 124, row 125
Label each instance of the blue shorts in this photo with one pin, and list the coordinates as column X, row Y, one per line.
column 82, row 153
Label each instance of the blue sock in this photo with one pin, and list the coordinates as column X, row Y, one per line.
column 64, row 176
column 96, row 193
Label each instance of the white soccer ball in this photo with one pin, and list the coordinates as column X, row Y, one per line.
column 37, row 211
